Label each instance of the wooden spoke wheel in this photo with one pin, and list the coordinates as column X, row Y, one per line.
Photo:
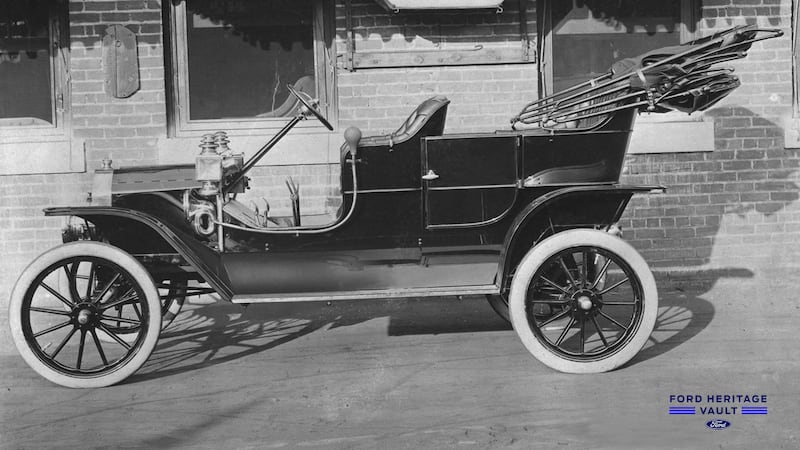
column 601, row 296
column 68, row 298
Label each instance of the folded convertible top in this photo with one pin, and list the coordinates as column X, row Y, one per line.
column 681, row 77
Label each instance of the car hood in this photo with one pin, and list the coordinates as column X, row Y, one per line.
column 153, row 179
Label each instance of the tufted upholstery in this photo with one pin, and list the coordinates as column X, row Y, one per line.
column 415, row 123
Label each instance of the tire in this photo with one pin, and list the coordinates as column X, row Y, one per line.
column 606, row 290
column 45, row 311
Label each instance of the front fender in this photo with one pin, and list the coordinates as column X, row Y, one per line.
column 563, row 209
column 137, row 232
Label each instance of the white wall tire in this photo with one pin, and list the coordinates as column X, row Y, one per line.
column 605, row 301
column 56, row 327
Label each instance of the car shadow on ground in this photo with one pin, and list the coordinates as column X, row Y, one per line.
column 212, row 334
column 682, row 312
column 207, row 335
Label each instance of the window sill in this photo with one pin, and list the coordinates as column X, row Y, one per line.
column 300, row 146
column 791, row 136
column 246, row 126
column 43, row 154
column 682, row 134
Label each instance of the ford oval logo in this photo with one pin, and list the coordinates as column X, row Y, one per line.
column 718, row 424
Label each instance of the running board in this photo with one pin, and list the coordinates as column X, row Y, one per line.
column 367, row 294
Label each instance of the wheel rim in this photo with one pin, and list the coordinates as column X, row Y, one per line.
column 62, row 322
column 594, row 302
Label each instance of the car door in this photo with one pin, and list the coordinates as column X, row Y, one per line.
column 468, row 180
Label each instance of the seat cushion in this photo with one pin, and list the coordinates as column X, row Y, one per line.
column 419, row 117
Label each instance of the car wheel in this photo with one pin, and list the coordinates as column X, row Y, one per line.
column 172, row 294
column 602, row 295
column 61, row 305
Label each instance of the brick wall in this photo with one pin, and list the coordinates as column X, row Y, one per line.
column 737, row 206
column 483, row 98
column 123, row 129
column 734, row 207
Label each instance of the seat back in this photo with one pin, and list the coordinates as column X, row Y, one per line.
column 392, row 161
column 429, row 117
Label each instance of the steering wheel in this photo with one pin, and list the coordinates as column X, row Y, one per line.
column 311, row 108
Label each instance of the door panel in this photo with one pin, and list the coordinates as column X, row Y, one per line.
column 471, row 179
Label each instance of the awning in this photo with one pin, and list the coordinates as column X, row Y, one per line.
column 399, row 5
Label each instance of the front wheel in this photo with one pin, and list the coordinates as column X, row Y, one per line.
column 603, row 296
column 69, row 297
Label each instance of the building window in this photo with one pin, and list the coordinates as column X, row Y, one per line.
column 33, row 69
column 583, row 38
column 231, row 61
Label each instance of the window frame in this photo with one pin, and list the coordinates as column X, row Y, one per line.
column 795, row 29
column 690, row 14
column 697, row 135
column 176, row 63
column 58, row 23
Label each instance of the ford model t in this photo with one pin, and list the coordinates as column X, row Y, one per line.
column 525, row 216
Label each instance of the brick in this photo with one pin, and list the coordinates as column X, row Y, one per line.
column 706, row 190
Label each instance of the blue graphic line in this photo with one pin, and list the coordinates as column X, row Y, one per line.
column 690, row 410
column 754, row 410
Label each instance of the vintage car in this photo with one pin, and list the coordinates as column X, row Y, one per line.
column 525, row 216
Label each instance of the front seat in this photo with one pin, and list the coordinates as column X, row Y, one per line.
column 426, row 120
column 392, row 161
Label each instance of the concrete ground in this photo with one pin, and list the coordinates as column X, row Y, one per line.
column 427, row 373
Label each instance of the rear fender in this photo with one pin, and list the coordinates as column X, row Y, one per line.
column 138, row 232
column 560, row 210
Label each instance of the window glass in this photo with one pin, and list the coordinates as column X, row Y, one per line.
column 590, row 35
column 242, row 54
column 26, row 87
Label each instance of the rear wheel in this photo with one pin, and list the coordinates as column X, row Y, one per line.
column 602, row 298
column 68, row 298
column 173, row 295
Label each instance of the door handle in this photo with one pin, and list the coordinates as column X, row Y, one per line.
column 430, row 176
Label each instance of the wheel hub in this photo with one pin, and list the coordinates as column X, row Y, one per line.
column 84, row 315
column 585, row 302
